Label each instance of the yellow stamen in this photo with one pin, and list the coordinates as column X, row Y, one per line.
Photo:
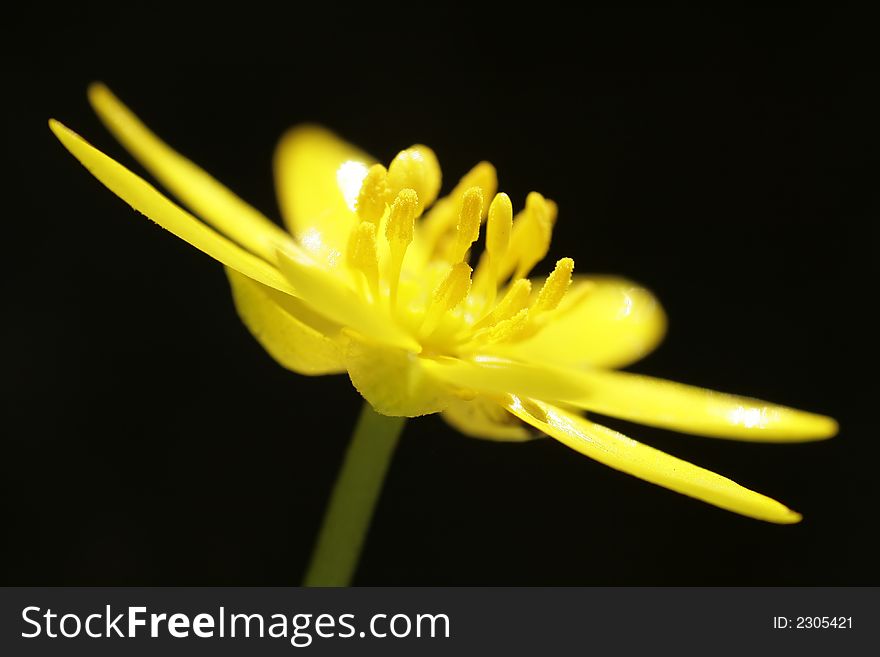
column 468, row 229
column 555, row 286
column 498, row 226
column 511, row 321
column 399, row 233
column 516, row 298
column 362, row 255
column 372, row 198
column 447, row 295
column 401, row 219
column 483, row 175
column 416, row 168
column 443, row 214
column 506, row 330
column 454, row 288
column 497, row 241
column 529, row 237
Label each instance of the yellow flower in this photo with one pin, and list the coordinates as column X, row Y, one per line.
column 375, row 278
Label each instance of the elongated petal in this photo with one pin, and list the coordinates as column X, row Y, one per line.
column 323, row 290
column 144, row 198
column 602, row 322
column 484, row 418
column 317, row 179
column 291, row 342
column 209, row 199
column 625, row 454
column 500, row 376
column 393, row 380
column 643, row 399
column 689, row 409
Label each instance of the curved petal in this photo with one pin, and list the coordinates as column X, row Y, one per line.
column 209, row 199
column 147, row 200
column 393, row 380
column 321, row 289
column 317, row 179
column 602, row 322
column 291, row 342
column 699, row 411
column 643, row 399
column 627, row 455
column 484, row 418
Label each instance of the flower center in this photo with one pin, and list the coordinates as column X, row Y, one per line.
column 411, row 257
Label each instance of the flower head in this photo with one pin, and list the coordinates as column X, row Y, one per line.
column 376, row 276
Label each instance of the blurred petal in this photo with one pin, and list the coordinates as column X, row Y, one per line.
column 602, row 322
column 393, row 380
column 291, row 342
column 209, row 199
column 317, row 179
column 144, row 198
column 627, row 455
column 699, row 411
column 484, row 418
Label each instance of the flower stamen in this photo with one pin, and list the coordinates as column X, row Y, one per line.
column 516, row 298
column 448, row 232
column 399, row 233
column 554, row 288
column 447, row 295
column 443, row 214
column 362, row 255
column 454, row 288
column 372, row 198
column 468, row 228
column 415, row 168
column 505, row 330
column 529, row 237
column 497, row 241
column 498, row 227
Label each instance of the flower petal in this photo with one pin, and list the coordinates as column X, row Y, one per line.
column 393, row 380
column 330, row 294
column 317, row 179
column 291, row 342
column 638, row 398
column 501, row 376
column 602, row 322
column 625, row 454
column 484, row 418
column 209, row 199
column 699, row 411
column 146, row 199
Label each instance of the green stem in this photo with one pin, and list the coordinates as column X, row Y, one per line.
column 354, row 497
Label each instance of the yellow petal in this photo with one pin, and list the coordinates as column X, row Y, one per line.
column 500, row 376
column 213, row 202
column 643, row 399
column 625, row 454
column 393, row 380
column 699, row 411
column 483, row 418
column 602, row 322
column 144, row 198
column 332, row 297
column 291, row 342
column 317, row 178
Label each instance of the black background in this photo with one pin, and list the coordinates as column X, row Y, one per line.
column 724, row 158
